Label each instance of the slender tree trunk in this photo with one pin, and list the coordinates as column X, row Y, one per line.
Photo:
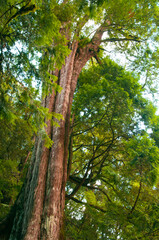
column 40, row 206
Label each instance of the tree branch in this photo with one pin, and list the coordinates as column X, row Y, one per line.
column 84, row 184
column 137, row 198
column 99, row 189
column 86, row 204
column 11, row 7
column 96, row 124
column 22, row 11
column 135, row 39
column 96, row 39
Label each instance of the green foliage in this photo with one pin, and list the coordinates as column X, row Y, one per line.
column 16, row 144
column 9, row 179
column 25, row 36
column 115, row 162
column 144, row 155
column 90, row 197
column 114, row 159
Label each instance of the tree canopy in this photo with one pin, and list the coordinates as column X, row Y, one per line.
column 113, row 161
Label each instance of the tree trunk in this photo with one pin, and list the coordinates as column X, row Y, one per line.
column 40, row 205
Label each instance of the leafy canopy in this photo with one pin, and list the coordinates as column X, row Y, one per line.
column 113, row 161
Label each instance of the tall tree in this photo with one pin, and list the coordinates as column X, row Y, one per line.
column 113, row 162
column 40, row 205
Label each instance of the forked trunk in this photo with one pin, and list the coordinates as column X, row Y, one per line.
column 40, row 205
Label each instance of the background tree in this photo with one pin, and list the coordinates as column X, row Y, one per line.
column 113, row 162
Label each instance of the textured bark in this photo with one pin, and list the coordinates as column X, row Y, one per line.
column 57, row 168
column 40, row 205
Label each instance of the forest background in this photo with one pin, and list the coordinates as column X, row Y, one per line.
column 105, row 169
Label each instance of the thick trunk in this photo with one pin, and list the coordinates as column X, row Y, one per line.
column 54, row 202
column 40, row 206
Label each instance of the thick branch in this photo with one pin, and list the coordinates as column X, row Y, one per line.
column 84, row 184
column 12, row 7
column 99, row 33
column 80, row 202
column 135, row 39
column 81, row 23
column 22, row 11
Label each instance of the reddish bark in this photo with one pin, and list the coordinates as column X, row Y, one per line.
column 40, row 206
